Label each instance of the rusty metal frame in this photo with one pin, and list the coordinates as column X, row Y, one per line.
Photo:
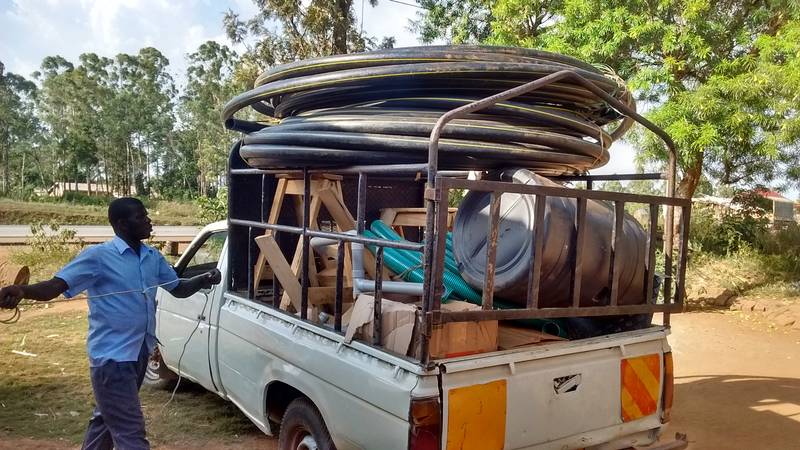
column 438, row 185
column 437, row 188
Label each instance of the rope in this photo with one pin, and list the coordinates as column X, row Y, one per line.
column 180, row 358
column 18, row 313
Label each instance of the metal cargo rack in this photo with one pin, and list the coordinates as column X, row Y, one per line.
column 438, row 185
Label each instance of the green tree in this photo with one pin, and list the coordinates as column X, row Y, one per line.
column 210, row 83
column 18, row 123
column 288, row 30
column 107, row 119
column 721, row 77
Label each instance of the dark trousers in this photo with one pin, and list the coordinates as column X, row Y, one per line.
column 117, row 421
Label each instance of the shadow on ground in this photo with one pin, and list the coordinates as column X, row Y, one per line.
column 744, row 411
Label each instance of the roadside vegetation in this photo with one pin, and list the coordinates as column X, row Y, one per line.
column 91, row 210
column 45, row 391
column 740, row 250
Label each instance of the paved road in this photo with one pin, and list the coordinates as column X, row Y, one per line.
column 18, row 234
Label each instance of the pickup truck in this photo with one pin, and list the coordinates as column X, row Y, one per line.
column 303, row 382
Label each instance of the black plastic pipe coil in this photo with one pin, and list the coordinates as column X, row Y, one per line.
column 380, row 107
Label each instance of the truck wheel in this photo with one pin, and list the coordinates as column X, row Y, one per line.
column 157, row 375
column 302, row 428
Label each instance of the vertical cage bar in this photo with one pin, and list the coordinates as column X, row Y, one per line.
column 337, row 305
column 588, row 185
column 305, row 237
column 362, row 200
column 378, row 313
column 491, row 251
column 250, row 285
column 686, row 213
column 534, row 280
column 580, row 235
column 437, row 281
column 650, row 262
column 616, row 242
column 263, row 212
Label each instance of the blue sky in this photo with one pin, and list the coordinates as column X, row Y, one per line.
column 33, row 29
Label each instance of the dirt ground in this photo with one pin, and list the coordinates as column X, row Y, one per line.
column 737, row 382
column 737, row 387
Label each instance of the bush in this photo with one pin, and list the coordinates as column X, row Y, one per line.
column 745, row 225
column 47, row 252
column 213, row 208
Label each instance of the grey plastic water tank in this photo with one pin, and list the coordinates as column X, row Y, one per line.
column 515, row 247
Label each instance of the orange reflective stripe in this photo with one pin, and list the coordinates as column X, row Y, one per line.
column 640, row 385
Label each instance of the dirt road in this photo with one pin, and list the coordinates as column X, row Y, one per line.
column 737, row 387
column 737, row 383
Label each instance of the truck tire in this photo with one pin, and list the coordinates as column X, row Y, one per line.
column 302, row 428
column 157, row 375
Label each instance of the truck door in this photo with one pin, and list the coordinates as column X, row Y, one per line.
column 184, row 324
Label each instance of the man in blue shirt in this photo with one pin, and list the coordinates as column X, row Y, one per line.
column 121, row 277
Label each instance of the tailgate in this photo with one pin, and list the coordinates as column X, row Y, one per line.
column 563, row 395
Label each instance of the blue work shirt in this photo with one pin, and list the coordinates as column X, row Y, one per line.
column 118, row 323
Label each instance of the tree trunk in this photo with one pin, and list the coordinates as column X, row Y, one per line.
column 340, row 26
column 5, row 169
column 22, row 175
column 126, row 180
column 691, row 178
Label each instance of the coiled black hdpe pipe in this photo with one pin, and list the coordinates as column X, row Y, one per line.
column 379, row 108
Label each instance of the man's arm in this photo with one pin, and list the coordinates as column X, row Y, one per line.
column 188, row 286
column 11, row 295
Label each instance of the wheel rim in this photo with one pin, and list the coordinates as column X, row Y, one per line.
column 301, row 439
column 308, row 443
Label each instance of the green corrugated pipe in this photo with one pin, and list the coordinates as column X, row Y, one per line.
column 399, row 264
column 408, row 259
column 400, row 261
column 386, row 232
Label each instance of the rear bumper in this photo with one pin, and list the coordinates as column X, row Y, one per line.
column 679, row 443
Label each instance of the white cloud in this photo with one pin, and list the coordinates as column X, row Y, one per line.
column 33, row 29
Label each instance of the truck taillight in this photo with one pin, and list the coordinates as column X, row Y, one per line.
column 669, row 388
column 425, row 420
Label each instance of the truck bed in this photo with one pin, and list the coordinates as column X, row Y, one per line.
column 561, row 395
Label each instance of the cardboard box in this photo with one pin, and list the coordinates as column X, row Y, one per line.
column 398, row 323
column 512, row 336
column 462, row 338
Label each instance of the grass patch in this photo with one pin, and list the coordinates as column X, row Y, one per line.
column 13, row 212
column 49, row 396
column 744, row 271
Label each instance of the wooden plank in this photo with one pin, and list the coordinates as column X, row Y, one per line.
column 274, row 214
column 326, row 295
column 273, row 255
column 344, row 220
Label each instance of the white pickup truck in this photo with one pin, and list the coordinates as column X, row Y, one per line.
column 301, row 381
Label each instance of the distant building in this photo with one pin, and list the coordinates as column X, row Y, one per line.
column 783, row 209
column 59, row 188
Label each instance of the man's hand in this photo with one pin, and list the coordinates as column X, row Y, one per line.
column 211, row 278
column 188, row 286
column 10, row 296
